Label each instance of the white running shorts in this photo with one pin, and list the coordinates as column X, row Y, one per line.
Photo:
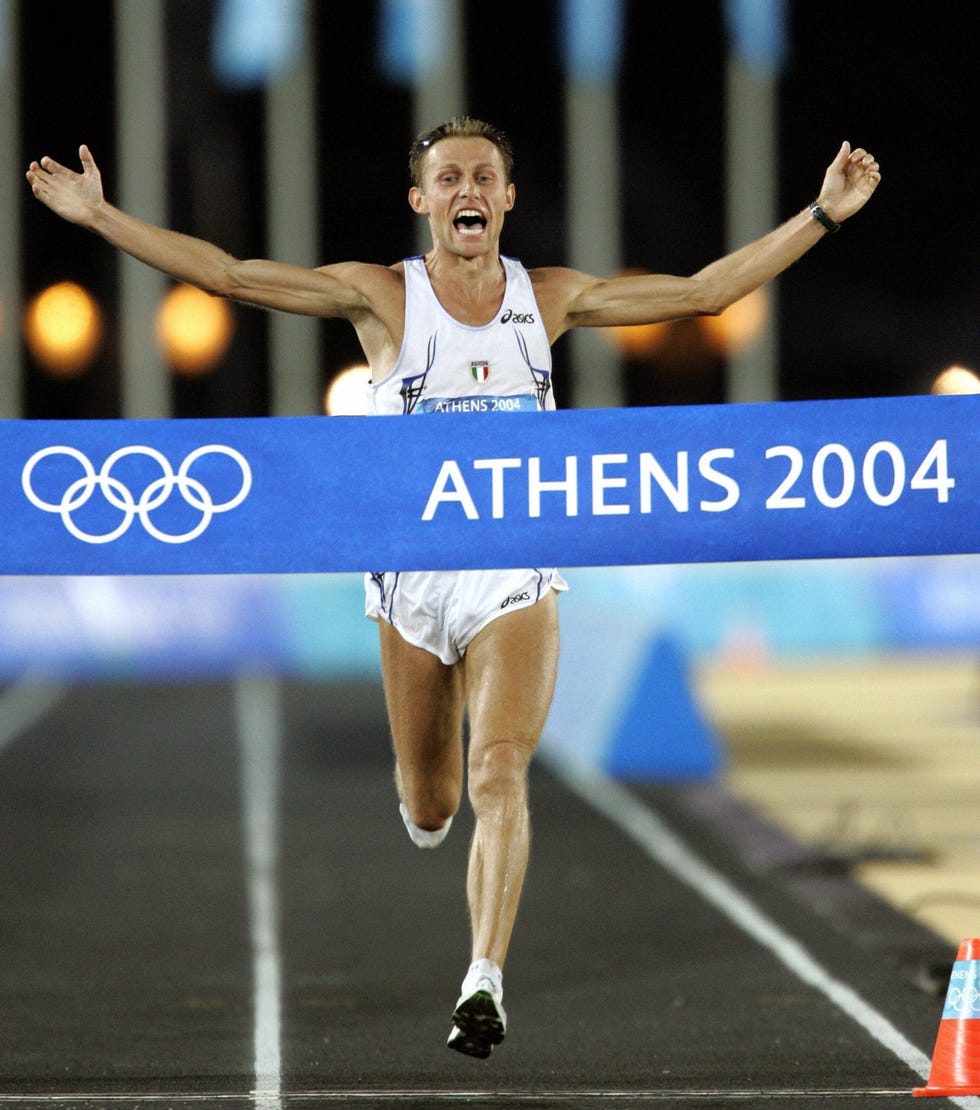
column 442, row 610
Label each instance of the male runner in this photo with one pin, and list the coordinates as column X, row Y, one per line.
column 443, row 333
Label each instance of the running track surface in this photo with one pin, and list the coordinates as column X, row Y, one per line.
column 208, row 899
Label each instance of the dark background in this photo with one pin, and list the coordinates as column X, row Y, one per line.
column 878, row 310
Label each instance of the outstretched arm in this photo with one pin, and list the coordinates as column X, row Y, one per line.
column 79, row 198
column 848, row 184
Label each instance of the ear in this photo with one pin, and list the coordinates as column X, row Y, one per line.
column 416, row 198
column 511, row 197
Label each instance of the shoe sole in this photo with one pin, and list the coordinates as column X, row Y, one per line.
column 479, row 1023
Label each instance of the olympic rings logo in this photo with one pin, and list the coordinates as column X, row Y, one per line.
column 963, row 999
column 154, row 494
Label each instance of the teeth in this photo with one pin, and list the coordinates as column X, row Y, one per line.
column 469, row 221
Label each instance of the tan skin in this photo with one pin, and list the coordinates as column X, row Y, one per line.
column 504, row 684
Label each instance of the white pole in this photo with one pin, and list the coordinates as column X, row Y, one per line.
column 751, row 204
column 592, row 140
column 12, row 185
column 440, row 91
column 593, row 33
column 293, row 225
column 141, row 158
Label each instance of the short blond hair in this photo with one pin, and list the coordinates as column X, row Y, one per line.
column 459, row 127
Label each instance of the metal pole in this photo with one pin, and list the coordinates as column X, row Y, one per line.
column 12, row 186
column 751, row 204
column 439, row 87
column 293, row 225
column 141, row 158
column 592, row 137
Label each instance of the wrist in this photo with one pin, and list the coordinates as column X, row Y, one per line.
column 100, row 217
column 826, row 221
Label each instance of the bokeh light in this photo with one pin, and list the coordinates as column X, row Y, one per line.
column 739, row 326
column 193, row 329
column 733, row 330
column 63, row 329
column 347, row 394
column 636, row 341
column 956, row 379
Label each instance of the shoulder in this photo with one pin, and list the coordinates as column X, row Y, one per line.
column 366, row 274
column 369, row 287
column 556, row 289
column 559, row 278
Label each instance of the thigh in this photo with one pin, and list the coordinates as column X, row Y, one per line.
column 510, row 677
column 425, row 699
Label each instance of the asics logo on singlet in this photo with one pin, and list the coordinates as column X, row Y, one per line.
column 512, row 317
column 515, row 599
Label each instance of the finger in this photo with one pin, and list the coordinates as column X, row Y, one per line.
column 89, row 168
column 840, row 158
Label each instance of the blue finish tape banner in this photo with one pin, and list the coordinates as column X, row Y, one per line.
column 606, row 487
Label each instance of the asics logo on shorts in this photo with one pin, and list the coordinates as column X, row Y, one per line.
column 142, row 502
column 525, row 596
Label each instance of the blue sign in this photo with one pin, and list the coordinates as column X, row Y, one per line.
column 607, row 487
column 963, row 996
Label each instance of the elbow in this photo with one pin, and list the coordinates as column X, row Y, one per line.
column 712, row 298
column 711, row 306
column 226, row 281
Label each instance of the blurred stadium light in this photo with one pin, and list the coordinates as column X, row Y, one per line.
column 592, row 39
column 757, row 33
column 255, row 41
column 347, row 393
column 412, row 39
column 63, row 327
column 193, row 329
column 954, row 380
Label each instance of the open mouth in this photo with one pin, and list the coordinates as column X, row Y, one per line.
column 469, row 222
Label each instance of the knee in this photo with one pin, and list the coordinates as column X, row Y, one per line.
column 497, row 774
column 430, row 804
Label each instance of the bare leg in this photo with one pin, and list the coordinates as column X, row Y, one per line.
column 510, row 672
column 425, row 709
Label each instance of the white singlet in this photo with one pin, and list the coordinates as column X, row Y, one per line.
column 447, row 367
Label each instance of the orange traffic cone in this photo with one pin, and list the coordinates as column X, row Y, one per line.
column 956, row 1058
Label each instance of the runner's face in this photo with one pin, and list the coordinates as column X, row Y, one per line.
column 465, row 195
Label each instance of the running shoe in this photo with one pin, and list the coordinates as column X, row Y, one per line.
column 479, row 1020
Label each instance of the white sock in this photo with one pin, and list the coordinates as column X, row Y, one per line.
column 484, row 974
column 424, row 838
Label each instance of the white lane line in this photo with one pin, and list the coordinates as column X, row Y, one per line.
column 626, row 811
column 23, row 705
column 476, row 1096
column 259, row 726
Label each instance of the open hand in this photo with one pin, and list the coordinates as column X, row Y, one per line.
column 73, row 196
column 849, row 182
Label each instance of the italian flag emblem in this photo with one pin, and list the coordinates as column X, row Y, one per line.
column 480, row 370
